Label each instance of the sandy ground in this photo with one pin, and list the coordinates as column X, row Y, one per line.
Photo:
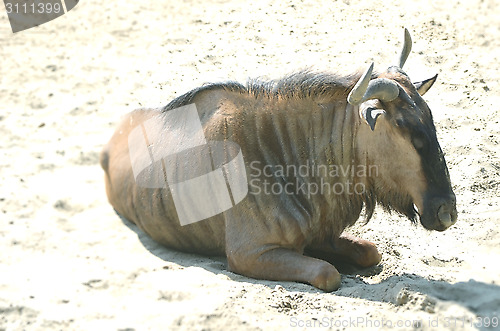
column 68, row 262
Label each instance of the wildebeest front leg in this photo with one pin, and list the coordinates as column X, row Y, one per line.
column 348, row 248
column 265, row 240
column 287, row 265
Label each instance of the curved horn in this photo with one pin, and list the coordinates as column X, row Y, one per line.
column 383, row 89
column 357, row 93
column 406, row 49
column 366, row 89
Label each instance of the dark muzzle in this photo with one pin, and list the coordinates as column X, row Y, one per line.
column 440, row 212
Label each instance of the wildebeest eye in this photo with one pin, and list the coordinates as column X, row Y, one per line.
column 419, row 140
column 418, row 143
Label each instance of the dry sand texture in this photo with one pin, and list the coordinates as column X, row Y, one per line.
column 68, row 262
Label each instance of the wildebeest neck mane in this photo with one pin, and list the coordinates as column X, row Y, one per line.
column 302, row 84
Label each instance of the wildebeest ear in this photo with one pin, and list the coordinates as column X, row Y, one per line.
column 425, row 85
column 370, row 115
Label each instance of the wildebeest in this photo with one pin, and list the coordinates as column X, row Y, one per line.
column 376, row 121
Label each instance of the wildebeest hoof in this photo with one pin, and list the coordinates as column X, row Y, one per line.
column 369, row 255
column 356, row 250
column 328, row 278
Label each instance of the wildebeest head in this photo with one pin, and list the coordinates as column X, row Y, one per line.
column 400, row 139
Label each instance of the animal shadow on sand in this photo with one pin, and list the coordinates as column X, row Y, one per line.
column 480, row 298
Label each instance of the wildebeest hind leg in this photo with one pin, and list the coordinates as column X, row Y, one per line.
column 287, row 265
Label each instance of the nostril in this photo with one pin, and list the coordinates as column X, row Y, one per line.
column 444, row 216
